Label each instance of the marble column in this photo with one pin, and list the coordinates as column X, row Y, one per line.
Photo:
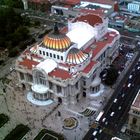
column 25, row 4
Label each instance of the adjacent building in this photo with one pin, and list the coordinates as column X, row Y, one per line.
column 134, row 117
column 72, row 8
column 134, row 6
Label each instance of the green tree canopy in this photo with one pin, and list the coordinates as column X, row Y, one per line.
column 12, row 3
column 109, row 76
column 13, row 28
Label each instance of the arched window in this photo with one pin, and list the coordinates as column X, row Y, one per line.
column 40, row 78
column 134, row 121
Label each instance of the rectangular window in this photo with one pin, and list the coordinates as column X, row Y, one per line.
column 54, row 55
column 134, row 121
column 50, row 54
column 50, row 85
column 40, row 51
column 21, row 76
column 47, row 54
column 43, row 53
column 61, row 57
column 84, row 89
column 30, row 78
column 84, row 83
column 57, row 56
column 59, row 89
column 94, row 75
column 76, row 85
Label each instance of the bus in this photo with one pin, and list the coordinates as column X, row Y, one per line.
column 99, row 116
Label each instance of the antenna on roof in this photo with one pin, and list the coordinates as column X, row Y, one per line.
column 55, row 29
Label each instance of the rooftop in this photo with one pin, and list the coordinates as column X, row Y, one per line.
column 60, row 73
column 89, row 66
column 28, row 63
column 136, row 102
column 91, row 19
column 108, row 2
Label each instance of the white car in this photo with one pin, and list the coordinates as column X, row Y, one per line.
column 138, row 67
column 103, row 120
column 112, row 114
column 123, row 95
column 129, row 85
column 115, row 100
column 106, row 123
column 100, row 131
column 130, row 77
column 94, row 133
column 119, row 107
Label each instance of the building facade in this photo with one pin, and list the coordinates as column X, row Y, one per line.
column 134, row 6
column 63, row 69
column 66, row 67
column 134, row 117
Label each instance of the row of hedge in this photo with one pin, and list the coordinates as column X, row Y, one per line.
column 20, row 130
column 3, row 119
column 44, row 131
column 17, row 133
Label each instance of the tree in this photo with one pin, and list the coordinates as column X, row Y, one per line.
column 109, row 76
column 14, row 3
column 12, row 30
column 13, row 52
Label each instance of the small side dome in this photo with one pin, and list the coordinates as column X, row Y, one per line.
column 76, row 56
column 57, row 41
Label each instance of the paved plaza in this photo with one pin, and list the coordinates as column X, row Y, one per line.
column 14, row 103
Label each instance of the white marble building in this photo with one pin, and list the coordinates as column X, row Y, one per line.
column 64, row 67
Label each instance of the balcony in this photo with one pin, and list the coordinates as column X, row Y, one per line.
column 41, row 89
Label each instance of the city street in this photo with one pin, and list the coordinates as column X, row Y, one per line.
column 115, row 112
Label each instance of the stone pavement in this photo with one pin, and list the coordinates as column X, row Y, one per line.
column 14, row 103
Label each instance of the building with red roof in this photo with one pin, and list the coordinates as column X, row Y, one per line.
column 98, row 7
column 65, row 66
column 64, row 59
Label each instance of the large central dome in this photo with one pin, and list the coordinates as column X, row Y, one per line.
column 57, row 41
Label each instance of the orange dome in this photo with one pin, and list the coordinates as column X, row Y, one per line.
column 56, row 41
column 76, row 56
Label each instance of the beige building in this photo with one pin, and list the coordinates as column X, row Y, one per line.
column 134, row 116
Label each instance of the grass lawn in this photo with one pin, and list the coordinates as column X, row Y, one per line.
column 48, row 135
column 3, row 119
column 17, row 133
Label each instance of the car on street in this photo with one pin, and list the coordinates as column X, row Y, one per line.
column 129, row 85
column 123, row 95
column 106, row 123
column 103, row 120
column 119, row 108
column 100, row 131
column 130, row 77
column 115, row 100
column 94, row 133
column 112, row 114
